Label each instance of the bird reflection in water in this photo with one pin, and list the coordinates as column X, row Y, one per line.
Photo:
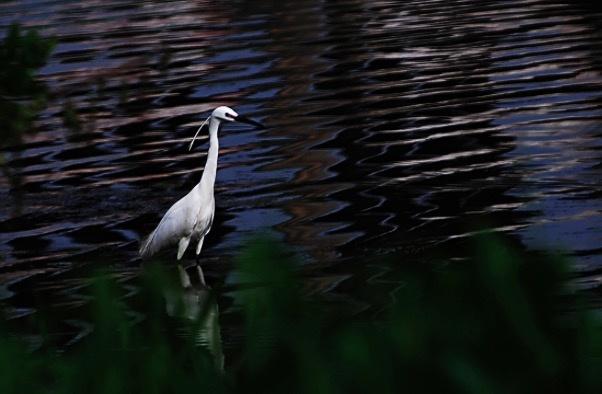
column 195, row 302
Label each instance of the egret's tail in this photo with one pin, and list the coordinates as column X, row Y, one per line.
column 145, row 250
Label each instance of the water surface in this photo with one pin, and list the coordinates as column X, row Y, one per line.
column 392, row 127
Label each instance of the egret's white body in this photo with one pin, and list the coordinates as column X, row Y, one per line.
column 191, row 217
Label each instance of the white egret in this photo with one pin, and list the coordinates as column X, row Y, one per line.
column 190, row 218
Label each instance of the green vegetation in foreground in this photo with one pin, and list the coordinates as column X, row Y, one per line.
column 503, row 324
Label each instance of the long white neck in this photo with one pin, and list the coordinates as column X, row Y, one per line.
column 208, row 178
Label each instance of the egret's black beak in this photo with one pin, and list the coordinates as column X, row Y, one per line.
column 244, row 119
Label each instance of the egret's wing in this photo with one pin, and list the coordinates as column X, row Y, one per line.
column 176, row 223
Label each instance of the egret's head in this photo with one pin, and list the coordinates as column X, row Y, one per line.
column 225, row 114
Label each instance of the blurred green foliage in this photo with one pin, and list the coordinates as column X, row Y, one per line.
column 71, row 119
column 21, row 96
column 503, row 322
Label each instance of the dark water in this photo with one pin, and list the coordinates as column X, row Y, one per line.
column 393, row 126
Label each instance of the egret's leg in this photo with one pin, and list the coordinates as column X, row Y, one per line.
column 182, row 246
column 184, row 278
column 199, row 246
column 198, row 263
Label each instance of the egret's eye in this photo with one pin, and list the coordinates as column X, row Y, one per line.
column 228, row 116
